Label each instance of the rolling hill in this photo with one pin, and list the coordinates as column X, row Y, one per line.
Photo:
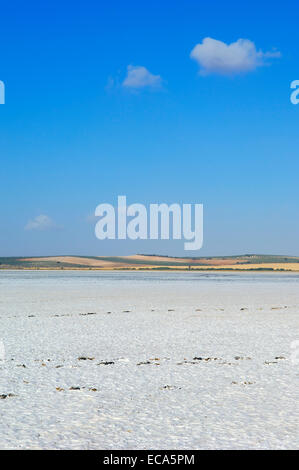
column 155, row 262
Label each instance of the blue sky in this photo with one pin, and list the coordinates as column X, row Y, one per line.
column 74, row 133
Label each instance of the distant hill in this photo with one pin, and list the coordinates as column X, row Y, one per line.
column 247, row 262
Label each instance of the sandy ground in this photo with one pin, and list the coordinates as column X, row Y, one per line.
column 246, row 267
column 148, row 360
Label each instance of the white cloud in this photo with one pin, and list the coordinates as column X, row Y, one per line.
column 139, row 77
column 41, row 222
column 229, row 59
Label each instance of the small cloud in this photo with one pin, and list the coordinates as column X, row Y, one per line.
column 217, row 57
column 41, row 222
column 139, row 77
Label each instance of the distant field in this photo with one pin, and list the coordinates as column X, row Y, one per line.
column 155, row 262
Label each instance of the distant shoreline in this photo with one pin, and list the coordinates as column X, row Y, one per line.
column 241, row 263
column 107, row 270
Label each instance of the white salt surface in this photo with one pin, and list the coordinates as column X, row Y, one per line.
column 237, row 396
